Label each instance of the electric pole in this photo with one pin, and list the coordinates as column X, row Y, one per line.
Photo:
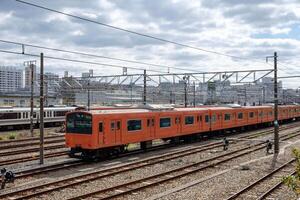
column 194, row 93
column 185, row 78
column 145, row 88
column 31, row 64
column 89, row 95
column 42, row 110
column 276, row 124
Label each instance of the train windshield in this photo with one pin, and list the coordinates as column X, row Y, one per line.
column 79, row 123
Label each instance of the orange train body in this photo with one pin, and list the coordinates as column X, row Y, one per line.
column 104, row 129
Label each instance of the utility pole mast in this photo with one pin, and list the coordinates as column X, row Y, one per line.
column 31, row 64
column 276, row 124
column 185, row 78
column 194, row 93
column 42, row 110
column 145, row 88
column 89, row 95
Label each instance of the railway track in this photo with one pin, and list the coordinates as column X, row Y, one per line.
column 45, row 169
column 29, row 139
column 31, row 158
column 161, row 178
column 169, row 175
column 257, row 189
column 30, row 150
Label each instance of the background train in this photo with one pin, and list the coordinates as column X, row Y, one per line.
column 14, row 118
column 102, row 132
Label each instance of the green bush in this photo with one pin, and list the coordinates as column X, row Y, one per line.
column 293, row 181
column 12, row 136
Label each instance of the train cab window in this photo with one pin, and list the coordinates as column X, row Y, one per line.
column 134, row 125
column 251, row 114
column 206, row 119
column 227, row 117
column 164, row 122
column 79, row 123
column 189, row 120
column 100, row 127
column 240, row 116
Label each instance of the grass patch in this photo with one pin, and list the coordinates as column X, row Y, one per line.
column 12, row 136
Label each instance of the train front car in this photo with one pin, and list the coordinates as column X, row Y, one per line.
column 79, row 134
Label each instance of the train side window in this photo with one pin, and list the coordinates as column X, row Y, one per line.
column 200, row 118
column 134, row 125
column 251, row 114
column 148, row 122
column 189, row 120
column 240, row 116
column 213, row 118
column 34, row 114
column 271, row 113
column 261, row 114
column 100, row 127
column 112, row 126
column 118, row 125
column 152, row 122
column 206, row 119
column 164, row 122
column 227, row 117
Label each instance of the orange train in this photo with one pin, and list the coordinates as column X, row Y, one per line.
column 101, row 132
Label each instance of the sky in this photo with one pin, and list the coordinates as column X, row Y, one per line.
column 251, row 29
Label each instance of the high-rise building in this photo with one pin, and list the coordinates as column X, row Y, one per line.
column 11, row 79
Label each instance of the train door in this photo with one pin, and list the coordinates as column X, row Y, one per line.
column 150, row 127
column 115, row 126
column 101, row 133
column 178, row 123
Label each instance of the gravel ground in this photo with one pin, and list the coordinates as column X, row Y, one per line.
column 153, row 169
column 23, row 134
column 234, row 180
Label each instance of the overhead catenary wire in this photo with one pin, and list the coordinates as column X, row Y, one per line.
column 94, row 55
column 137, row 33
column 75, row 61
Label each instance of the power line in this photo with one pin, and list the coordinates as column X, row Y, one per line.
column 93, row 55
column 75, row 61
column 133, row 32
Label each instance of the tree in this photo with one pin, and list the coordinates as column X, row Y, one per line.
column 293, row 181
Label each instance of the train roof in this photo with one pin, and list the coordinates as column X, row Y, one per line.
column 27, row 109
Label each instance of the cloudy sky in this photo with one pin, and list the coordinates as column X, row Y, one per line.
column 250, row 29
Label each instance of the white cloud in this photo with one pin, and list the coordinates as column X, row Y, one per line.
column 240, row 27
